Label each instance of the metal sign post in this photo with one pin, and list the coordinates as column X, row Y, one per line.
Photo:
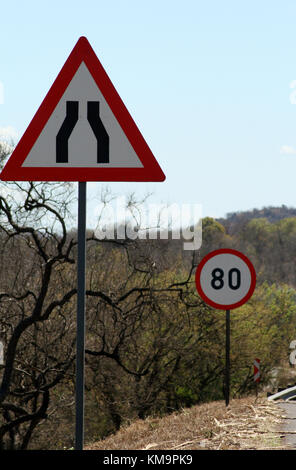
column 82, row 90
column 227, row 359
column 80, row 321
column 1, row 353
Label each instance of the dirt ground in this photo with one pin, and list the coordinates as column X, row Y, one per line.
column 246, row 424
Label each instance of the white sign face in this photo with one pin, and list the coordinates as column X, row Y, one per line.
column 225, row 279
column 81, row 93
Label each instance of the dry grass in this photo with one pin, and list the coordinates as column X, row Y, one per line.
column 246, row 423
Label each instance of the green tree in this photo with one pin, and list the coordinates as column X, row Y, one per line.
column 263, row 328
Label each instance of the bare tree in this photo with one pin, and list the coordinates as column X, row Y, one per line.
column 34, row 299
column 144, row 319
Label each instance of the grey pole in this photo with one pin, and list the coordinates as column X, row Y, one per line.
column 227, row 359
column 80, row 320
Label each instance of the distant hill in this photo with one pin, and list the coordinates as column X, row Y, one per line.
column 234, row 221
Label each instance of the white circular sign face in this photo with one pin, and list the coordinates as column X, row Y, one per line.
column 225, row 279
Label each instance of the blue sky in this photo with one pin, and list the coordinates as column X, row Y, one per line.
column 210, row 85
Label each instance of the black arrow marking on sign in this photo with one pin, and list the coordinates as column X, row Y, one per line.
column 93, row 117
column 65, row 131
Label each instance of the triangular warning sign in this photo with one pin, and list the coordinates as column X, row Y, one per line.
column 82, row 131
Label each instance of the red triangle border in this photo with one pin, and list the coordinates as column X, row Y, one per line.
column 13, row 170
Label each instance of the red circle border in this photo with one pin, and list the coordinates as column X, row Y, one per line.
column 219, row 252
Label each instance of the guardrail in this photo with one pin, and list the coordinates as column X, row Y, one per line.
column 287, row 394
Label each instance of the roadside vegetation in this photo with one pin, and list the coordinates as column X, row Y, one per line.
column 246, row 424
column 153, row 347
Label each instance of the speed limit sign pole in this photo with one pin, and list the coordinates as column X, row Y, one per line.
column 225, row 279
column 227, row 358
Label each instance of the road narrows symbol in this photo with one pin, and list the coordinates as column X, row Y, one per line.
column 93, row 117
column 66, row 129
column 104, row 144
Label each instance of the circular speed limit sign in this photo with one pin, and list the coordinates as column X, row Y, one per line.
column 225, row 279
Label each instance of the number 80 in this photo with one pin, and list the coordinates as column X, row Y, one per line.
column 234, row 282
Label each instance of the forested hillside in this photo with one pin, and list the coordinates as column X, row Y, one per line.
column 234, row 220
column 152, row 345
column 267, row 236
